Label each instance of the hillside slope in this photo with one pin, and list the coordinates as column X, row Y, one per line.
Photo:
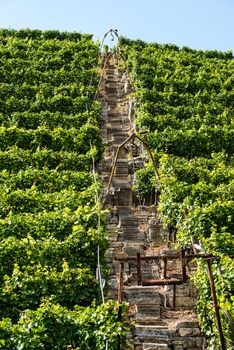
column 49, row 212
column 184, row 106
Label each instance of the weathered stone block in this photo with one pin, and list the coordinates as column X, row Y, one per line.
column 200, row 341
column 153, row 346
column 131, row 248
column 148, row 310
column 143, row 295
column 185, row 332
column 196, row 332
column 185, row 302
column 189, row 342
column 187, row 324
column 178, row 347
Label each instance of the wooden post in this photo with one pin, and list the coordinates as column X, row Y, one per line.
column 216, row 307
column 139, row 277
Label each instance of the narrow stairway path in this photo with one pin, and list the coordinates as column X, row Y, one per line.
column 163, row 315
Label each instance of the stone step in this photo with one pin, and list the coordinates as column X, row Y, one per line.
column 132, row 227
column 110, row 69
column 151, row 332
column 128, row 216
column 133, row 246
column 111, row 84
column 155, row 346
column 148, row 311
column 117, row 128
column 118, row 139
column 143, row 295
column 132, row 232
column 118, row 132
column 111, row 92
column 135, row 237
column 129, row 224
column 120, row 182
column 118, row 186
column 117, row 118
column 113, row 115
column 122, row 197
column 124, row 212
column 110, row 78
column 122, row 171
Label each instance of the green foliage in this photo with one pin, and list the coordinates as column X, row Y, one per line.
column 144, row 181
column 52, row 326
column 48, row 214
column 184, row 101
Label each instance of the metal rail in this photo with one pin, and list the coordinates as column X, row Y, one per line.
column 173, row 281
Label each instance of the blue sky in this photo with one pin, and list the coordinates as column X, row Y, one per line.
column 199, row 24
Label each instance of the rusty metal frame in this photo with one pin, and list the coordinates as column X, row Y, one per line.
column 183, row 257
column 133, row 136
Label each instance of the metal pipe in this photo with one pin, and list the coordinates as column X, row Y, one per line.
column 120, row 291
column 183, row 267
column 139, row 277
column 174, row 296
column 165, row 268
column 216, row 307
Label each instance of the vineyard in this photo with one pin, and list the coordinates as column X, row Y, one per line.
column 53, row 227
column 50, row 138
column 184, row 107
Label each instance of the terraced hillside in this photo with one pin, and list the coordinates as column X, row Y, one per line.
column 184, row 106
column 175, row 107
column 50, row 236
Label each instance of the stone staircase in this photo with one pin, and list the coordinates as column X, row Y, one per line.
column 163, row 315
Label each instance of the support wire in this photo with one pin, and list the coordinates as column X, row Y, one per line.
column 99, row 270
